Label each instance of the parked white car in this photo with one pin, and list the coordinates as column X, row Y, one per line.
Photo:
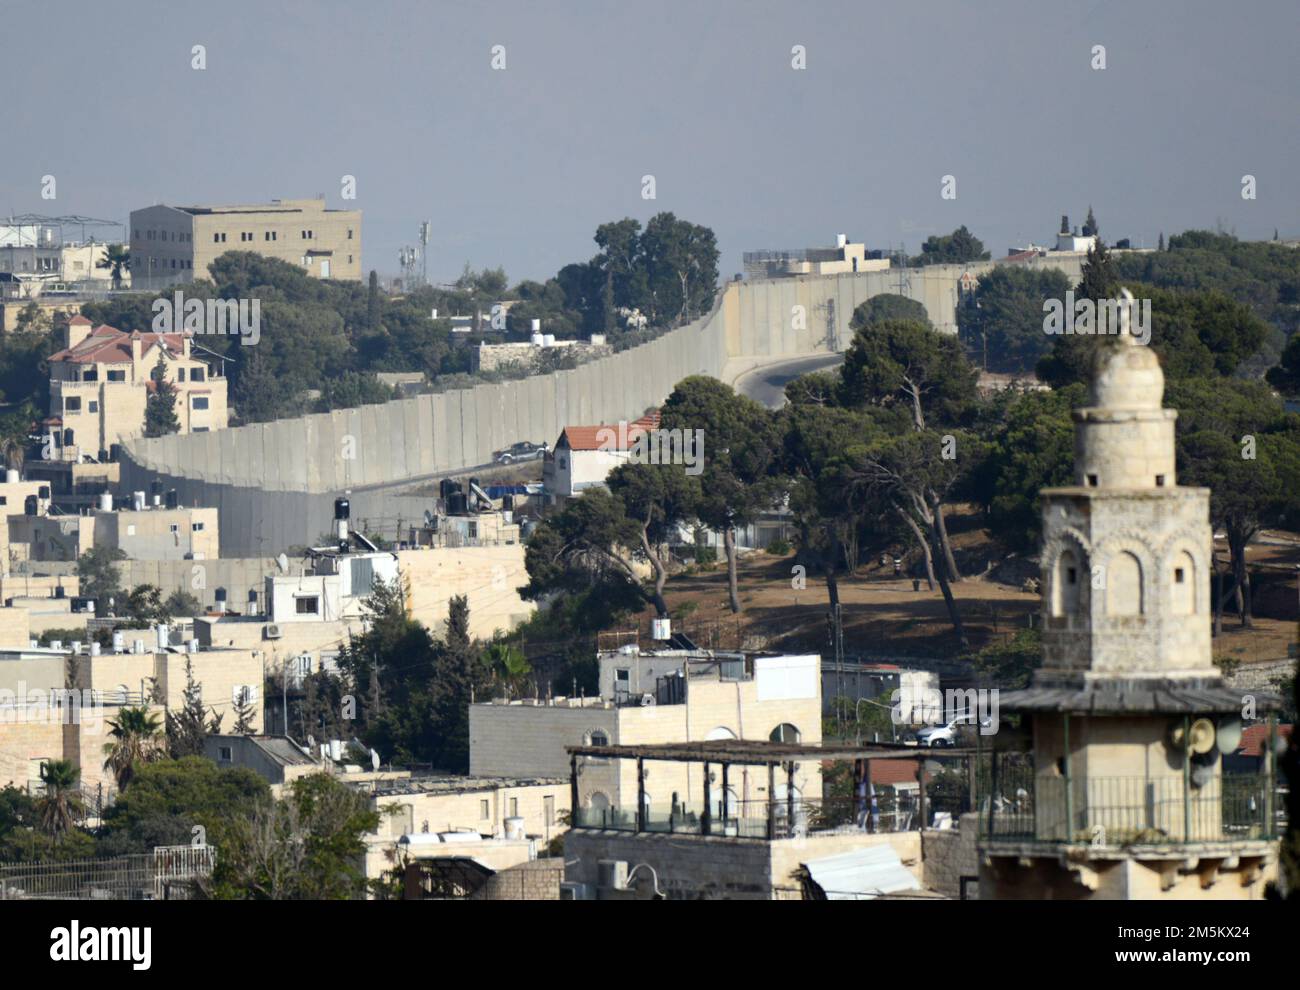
column 946, row 735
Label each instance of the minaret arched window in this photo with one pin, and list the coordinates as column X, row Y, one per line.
column 1124, row 585
column 1182, row 579
column 1066, row 581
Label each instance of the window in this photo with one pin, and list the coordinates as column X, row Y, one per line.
column 785, row 732
column 72, row 403
column 216, row 238
column 548, row 809
column 196, row 527
column 198, row 402
column 226, row 753
column 1092, row 481
column 92, row 405
column 1183, row 599
column 198, row 375
column 174, row 527
column 1160, row 481
column 349, row 233
column 483, row 811
column 180, row 374
column 116, row 376
column 598, row 737
column 308, row 605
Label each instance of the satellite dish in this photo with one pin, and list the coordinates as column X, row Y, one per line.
column 1229, row 735
column 374, row 760
column 282, row 562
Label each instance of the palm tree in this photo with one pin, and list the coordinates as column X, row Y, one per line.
column 137, row 737
column 60, row 806
column 510, row 668
column 117, row 257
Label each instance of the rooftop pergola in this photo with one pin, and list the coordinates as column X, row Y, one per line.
column 755, row 752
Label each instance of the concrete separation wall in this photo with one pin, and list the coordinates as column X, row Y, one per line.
column 275, row 483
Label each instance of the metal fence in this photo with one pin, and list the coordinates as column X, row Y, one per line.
column 169, row 872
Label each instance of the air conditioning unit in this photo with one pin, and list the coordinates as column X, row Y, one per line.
column 272, row 631
column 612, row 873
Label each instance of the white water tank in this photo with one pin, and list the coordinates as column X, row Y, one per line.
column 537, row 339
column 192, row 646
column 336, row 749
column 514, row 828
column 94, row 648
column 537, row 326
column 106, row 502
column 76, row 647
column 11, row 476
column 841, row 240
column 137, row 501
column 164, row 638
column 119, row 641
column 56, row 644
column 548, row 340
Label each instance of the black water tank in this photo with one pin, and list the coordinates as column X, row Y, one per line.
column 155, row 488
column 115, row 452
column 29, row 505
column 507, row 502
column 43, row 491
column 457, row 504
column 173, row 500
column 342, row 508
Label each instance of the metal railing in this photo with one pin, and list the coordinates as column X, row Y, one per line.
column 755, row 819
column 1123, row 811
column 167, row 872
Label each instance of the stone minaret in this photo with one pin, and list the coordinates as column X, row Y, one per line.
column 1123, row 794
column 1126, row 551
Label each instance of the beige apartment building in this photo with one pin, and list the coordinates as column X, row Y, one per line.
column 36, row 725
column 100, row 383
column 152, row 533
column 664, row 696
column 172, row 244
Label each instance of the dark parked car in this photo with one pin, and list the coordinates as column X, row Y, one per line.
column 522, row 451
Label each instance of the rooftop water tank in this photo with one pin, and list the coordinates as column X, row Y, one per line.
column 514, row 828
column 548, row 340
column 106, row 502
column 11, row 476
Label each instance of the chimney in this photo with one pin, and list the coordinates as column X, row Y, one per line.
column 135, row 347
column 77, row 330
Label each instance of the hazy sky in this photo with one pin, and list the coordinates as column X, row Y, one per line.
column 517, row 167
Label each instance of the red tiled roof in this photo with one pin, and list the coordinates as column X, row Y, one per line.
column 1020, row 256
column 1254, row 739
column 108, row 345
column 79, row 321
column 596, row 437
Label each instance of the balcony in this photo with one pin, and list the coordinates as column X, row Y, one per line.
column 1129, row 811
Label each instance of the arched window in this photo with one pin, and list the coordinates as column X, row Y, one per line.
column 785, row 732
column 1124, row 585
column 721, row 732
column 597, row 801
column 1067, row 578
column 597, row 737
column 1182, row 580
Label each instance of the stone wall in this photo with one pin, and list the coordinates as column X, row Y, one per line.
column 950, row 855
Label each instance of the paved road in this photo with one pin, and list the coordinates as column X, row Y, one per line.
column 767, row 384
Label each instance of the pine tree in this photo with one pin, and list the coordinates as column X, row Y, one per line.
column 160, row 408
column 1099, row 279
column 243, row 717
column 1090, row 225
column 372, row 302
column 1160, row 244
column 189, row 727
column 259, row 395
column 459, row 672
